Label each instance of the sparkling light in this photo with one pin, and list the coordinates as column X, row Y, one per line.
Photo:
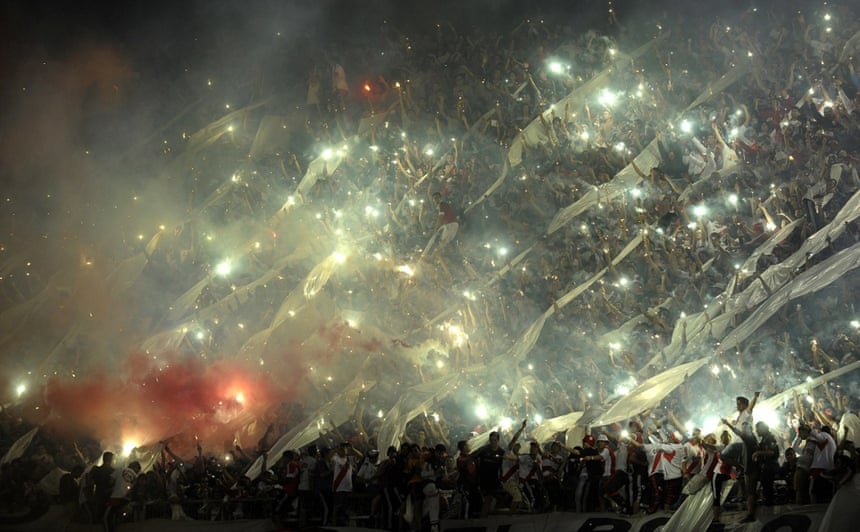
column 482, row 412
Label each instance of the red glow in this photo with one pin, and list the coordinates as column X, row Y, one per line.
column 164, row 398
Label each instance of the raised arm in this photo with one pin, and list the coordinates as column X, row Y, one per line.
column 753, row 402
column 517, row 433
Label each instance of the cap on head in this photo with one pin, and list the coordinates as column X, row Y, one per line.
column 603, row 437
column 588, row 440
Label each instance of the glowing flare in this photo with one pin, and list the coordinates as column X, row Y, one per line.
column 128, row 447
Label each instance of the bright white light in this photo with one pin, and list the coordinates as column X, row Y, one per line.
column 538, row 419
column 374, row 148
column 406, row 269
column 733, row 199
column 770, row 226
column 700, row 210
column 428, row 151
column 808, row 379
column 379, row 414
column 827, row 16
column 481, row 411
column 623, row 281
column 506, row 423
column 686, row 126
column 607, row 98
column 625, row 434
column 710, row 424
column 622, row 390
column 458, row 336
column 809, row 399
column 620, row 147
column 855, row 324
column 584, row 135
column 223, row 268
column 339, row 257
column 327, row 154
column 636, row 192
column 128, row 447
column 689, row 426
column 503, row 251
column 556, row 67
column 440, row 363
column 768, row 415
column 20, row 389
column 612, row 51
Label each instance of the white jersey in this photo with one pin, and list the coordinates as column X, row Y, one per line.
column 307, row 467
column 673, row 458
column 530, row 467
column 825, row 449
column 744, row 423
column 342, row 467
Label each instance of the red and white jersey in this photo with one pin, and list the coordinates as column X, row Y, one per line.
column 510, row 467
column 672, row 458
column 710, row 459
column 608, row 461
column 655, row 458
column 342, row 466
column 666, row 458
column 695, row 453
column 722, row 467
column 530, row 467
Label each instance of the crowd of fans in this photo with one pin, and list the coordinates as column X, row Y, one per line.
column 778, row 145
